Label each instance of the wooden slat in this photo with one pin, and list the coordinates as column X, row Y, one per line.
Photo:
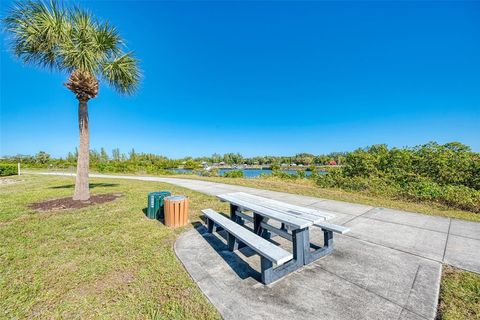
column 263, row 247
column 292, row 221
column 333, row 227
column 285, row 206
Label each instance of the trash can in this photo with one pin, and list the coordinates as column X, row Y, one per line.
column 155, row 204
column 176, row 211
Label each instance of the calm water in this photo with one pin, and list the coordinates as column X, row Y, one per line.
column 248, row 173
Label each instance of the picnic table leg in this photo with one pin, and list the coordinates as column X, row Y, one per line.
column 238, row 218
column 212, row 226
column 299, row 238
column 232, row 242
column 270, row 274
column 310, row 256
column 257, row 226
column 257, row 220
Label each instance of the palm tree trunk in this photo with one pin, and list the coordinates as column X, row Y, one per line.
column 81, row 183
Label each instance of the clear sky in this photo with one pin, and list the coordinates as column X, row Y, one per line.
column 265, row 78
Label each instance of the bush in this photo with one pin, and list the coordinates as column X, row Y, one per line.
column 459, row 197
column 274, row 167
column 301, row 174
column 7, row 169
column 284, row 175
column 234, row 174
column 336, row 179
column 213, row 172
column 407, row 186
column 447, row 174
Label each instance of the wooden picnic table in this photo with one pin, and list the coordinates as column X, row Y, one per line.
column 294, row 221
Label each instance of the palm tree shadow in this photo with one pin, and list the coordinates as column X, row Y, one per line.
column 91, row 185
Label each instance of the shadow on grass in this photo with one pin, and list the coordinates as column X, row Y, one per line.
column 91, row 185
column 160, row 217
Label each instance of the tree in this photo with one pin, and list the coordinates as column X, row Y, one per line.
column 132, row 156
column 116, row 154
column 42, row 157
column 216, row 158
column 94, row 157
column 103, row 155
column 70, row 40
column 71, row 158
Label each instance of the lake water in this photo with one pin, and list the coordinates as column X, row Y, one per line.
column 248, row 173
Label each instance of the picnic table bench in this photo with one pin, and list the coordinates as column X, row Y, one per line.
column 294, row 221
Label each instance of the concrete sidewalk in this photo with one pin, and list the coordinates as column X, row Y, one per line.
column 387, row 267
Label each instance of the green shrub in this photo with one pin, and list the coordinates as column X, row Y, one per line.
column 284, row 175
column 275, row 167
column 234, row 174
column 336, row 179
column 461, row 197
column 407, row 186
column 213, row 172
column 7, row 169
column 301, row 174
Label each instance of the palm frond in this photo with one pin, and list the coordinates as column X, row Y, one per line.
column 70, row 39
column 122, row 72
column 107, row 39
column 36, row 31
column 78, row 51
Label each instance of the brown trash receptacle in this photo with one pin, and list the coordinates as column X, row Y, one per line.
column 176, row 211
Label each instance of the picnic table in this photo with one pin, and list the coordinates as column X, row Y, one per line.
column 274, row 218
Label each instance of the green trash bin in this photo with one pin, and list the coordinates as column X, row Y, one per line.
column 155, row 204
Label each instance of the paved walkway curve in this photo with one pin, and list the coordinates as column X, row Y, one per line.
column 387, row 267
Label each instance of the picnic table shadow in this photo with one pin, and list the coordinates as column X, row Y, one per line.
column 91, row 185
column 241, row 267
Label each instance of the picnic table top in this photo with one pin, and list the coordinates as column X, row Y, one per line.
column 292, row 215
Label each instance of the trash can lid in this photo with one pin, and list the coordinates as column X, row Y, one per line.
column 163, row 193
column 176, row 198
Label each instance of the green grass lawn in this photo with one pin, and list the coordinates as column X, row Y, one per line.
column 110, row 261
column 460, row 295
column 104, row 261
column 309, row 188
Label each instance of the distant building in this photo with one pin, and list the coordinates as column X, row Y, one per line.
column 332, row 163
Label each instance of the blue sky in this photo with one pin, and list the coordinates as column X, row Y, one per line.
column 264, row 78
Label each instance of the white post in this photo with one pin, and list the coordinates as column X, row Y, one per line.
column 18, row 168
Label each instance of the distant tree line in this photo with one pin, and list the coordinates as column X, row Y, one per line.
column 101, row 160
column 448, row 174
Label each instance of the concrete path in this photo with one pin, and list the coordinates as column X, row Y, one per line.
column 387, row 267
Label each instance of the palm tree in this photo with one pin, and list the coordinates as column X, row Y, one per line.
column 70, row 40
